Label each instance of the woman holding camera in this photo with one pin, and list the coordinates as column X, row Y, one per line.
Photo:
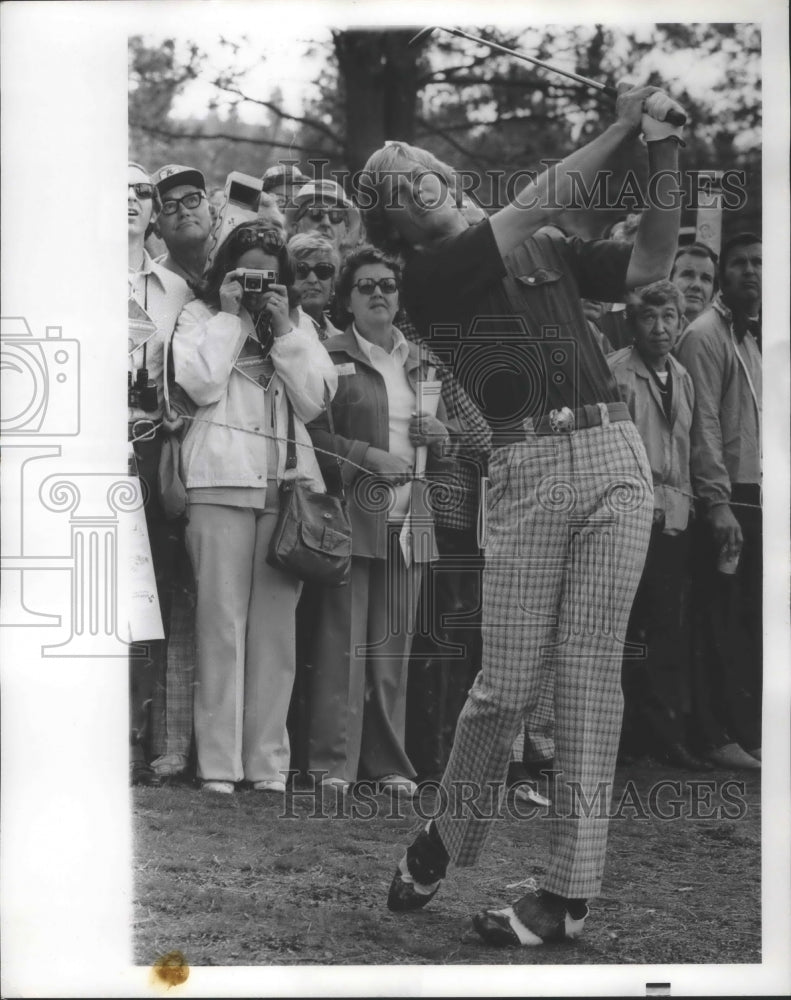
column 358, row 674
column 243, row 360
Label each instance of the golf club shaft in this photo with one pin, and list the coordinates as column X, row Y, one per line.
column 609, row 91
column 673, row 117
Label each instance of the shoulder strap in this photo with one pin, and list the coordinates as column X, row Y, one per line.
column 291, row 443
column 168, row 367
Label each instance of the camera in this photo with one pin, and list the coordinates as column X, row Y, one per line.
column 256, row 280
column 141, row 392
column 40, row 380
column 240, row 204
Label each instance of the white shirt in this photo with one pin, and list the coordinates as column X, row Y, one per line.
column 401, row 404
column 162, row 295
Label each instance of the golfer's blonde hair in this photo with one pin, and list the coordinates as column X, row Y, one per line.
column 377, row 187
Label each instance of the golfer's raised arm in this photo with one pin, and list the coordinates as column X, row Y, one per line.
column 656, row 240
column 537, row 204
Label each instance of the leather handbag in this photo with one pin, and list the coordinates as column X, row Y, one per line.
column 313, row 535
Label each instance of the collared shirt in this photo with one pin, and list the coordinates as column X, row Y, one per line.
column 665, row 430
column 170, row 264
column 162, row 295
column 400, row 403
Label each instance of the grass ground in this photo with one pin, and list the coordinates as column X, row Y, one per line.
column 231, row 880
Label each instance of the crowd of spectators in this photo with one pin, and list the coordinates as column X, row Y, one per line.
column 263, row 680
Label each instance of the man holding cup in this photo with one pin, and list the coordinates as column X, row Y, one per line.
column 721, row 349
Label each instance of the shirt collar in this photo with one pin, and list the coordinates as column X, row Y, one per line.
column 148, row 263
column 400, row 350
column 149, row 268
column 752, row 325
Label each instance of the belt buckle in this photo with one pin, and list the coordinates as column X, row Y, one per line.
column 561, row 421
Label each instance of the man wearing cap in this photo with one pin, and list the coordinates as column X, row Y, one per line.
column 282, row 181
column 184, row 222
column 322, row 207
column 570, row 494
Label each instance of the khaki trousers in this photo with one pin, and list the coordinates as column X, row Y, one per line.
column 245, row 645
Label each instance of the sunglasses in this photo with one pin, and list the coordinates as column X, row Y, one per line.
column 322, row 271
column 336, row 215
column 191, row 200
column 269, row 240
column 367, row 286
column 142, row 191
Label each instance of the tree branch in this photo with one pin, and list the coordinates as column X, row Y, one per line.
column 310, row 122
column 433, row 129
column 532, row 117
column 170, row 134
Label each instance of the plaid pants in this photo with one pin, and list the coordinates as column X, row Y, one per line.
column 174, row 696
column 535, row 741
column 569, row 523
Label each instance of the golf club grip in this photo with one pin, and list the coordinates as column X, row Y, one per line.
column 676, row 118
column 673, row 117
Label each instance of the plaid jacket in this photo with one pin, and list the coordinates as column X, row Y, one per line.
column 457, row 507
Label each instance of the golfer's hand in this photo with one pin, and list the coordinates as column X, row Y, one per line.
column 655, row 111
column 629, row 105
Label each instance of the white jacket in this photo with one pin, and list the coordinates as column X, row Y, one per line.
column 205, row 347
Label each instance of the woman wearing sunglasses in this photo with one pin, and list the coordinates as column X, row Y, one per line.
column 244, row 357
column 316, row 263
column 357, row 681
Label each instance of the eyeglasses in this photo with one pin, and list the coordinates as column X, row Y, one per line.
column 367, row 286
column 142, row 191
column 191, row 200
column 336, row 215
column 269, row 240
column 322, row 271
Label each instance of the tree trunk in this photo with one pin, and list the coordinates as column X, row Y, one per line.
column 378, row 75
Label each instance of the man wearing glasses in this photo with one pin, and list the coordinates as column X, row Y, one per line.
column 184, row 222
column 322, row 207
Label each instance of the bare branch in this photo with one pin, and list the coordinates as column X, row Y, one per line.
column 310, row 122
column 432, row 129
column 532, row 117
column 170, row 134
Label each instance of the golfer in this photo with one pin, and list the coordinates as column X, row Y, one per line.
column 570, row 503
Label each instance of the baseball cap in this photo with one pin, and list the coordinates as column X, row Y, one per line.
column 326, row 191
column 173, row 175
column 282, row 173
